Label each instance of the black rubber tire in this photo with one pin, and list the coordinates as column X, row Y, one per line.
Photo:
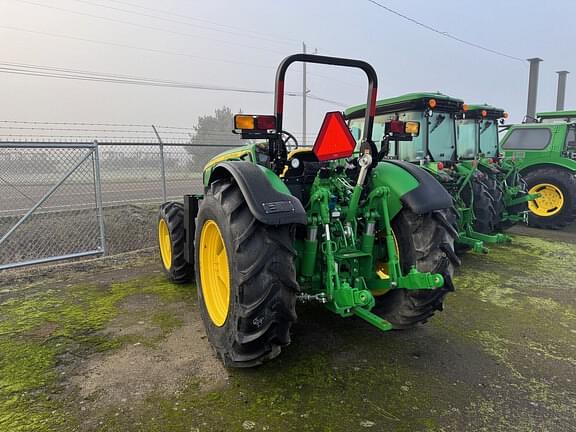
column 485, row 216
column 426, row 241
column 566, row 182
column 173, row 213
column 262, row 280
column 515, row 180
column 496, row 190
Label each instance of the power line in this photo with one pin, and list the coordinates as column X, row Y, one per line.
column 72, row 74
column 134, row 47
column 49, row 72
column 144, row 26
column 160, row 51
column 165, row 12
column 91, row 124
column 443, row 33
column 333, row 102
column 131, row 12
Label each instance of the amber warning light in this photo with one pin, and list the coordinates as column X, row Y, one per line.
column 334, row 140
column 245, row 122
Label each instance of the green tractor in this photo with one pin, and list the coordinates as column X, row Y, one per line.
column 330, row 224
column 545, row 154
column 435, row 149
column 478, row 146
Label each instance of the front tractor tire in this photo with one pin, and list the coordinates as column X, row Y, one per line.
column 246, row 278
column 427, row 242
column 556, row 207
column 171, row 243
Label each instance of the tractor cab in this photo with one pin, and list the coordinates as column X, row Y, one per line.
column 477, row 132
column 435, row 147
column 545, row 155
column 431, row 133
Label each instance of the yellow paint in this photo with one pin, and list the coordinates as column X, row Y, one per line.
column 382, row 269
column 226, row 156
column 292, row 154
column 550, row 202
column 165, row 244
column 214, row 273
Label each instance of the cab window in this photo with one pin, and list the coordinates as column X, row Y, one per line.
column 442, row 136
column 467, row 137
column 528, row 139
column 489, row 138
column 571, row 138
column 408, row 150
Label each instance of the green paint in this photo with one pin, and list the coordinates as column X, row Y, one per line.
column 556, row 154
column 337, row 253
column 449, row 138
column 399, row 182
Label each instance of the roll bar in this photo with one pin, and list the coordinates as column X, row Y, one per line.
column 335, row 61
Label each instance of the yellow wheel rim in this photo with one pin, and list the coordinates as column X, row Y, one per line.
column 165, row 244
column 550, row 202
column 214, row 273
column 382, row 269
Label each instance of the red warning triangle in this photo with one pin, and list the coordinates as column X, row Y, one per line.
column 335, row 140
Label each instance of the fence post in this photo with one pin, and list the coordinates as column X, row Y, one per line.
column 98, row 192
column 162, row 166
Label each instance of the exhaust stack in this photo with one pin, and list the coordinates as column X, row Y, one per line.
column 532, row 89
column 561, row 92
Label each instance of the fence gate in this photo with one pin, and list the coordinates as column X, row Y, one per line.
column 50, row 203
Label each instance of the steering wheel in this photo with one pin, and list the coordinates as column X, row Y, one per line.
column 286, row 138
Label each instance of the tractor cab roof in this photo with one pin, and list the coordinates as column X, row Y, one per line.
column 568, row 116
column 491, row 112
column 410, row 102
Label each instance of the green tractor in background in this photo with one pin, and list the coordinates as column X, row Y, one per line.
column 478, row 146
column 335, row 225
column 435, row 149
column 545, row 154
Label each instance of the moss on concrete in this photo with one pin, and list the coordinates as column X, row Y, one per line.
column 37, row 329
column 506, row 333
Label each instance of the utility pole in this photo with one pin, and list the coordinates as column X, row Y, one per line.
column 561, row 93
column 304, row 90
column 532, row 89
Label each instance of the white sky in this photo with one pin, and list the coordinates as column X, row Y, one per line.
column 256, row 34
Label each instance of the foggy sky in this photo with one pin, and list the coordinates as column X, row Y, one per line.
column 256, row 34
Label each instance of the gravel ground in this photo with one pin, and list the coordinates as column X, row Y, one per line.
column 109, row 345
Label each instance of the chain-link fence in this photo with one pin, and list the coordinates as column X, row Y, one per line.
column 67, row 199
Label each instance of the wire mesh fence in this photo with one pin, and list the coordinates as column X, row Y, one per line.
column 54, row 205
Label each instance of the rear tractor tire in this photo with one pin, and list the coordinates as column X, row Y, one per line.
column 426, row 241
column 246, row 278
column 496, row 191
column 556, row 208
column 171, row 238
column 478, row 196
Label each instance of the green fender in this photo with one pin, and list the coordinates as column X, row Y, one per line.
column 566, row 164
column 410, row 186
column 267, row 196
